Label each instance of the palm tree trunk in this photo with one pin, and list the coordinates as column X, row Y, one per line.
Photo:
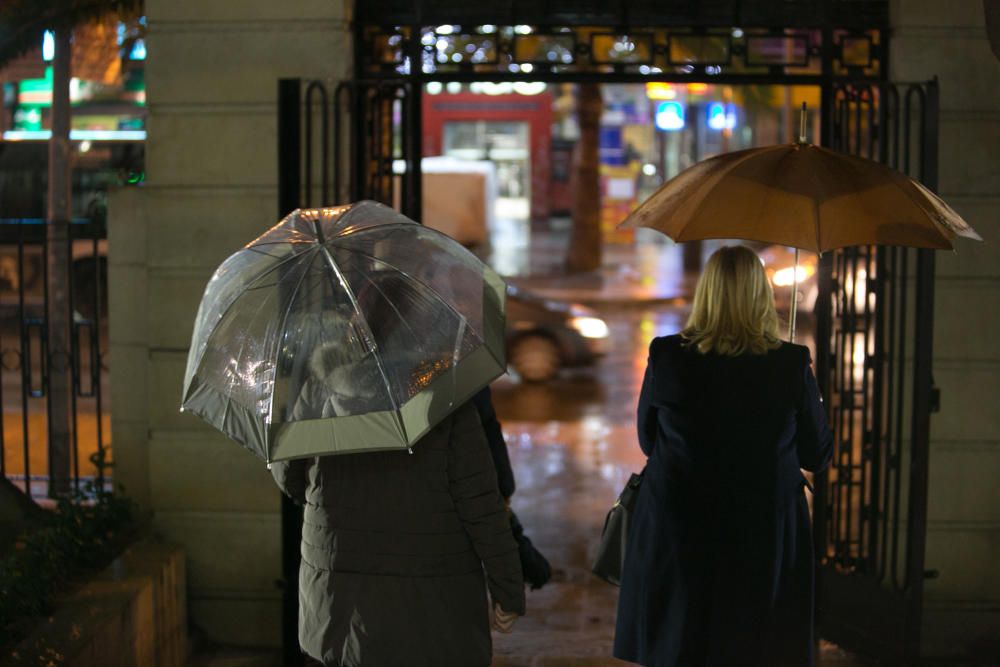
column 585, row 241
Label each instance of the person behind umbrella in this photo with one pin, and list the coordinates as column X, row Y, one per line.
column 536, row 568
column 719, row 566
column 394, row 545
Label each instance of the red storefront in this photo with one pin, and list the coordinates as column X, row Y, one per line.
column 512, row 130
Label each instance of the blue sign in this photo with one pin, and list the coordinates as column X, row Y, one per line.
column 669, row 116
column 612, row 147
column 721, row 116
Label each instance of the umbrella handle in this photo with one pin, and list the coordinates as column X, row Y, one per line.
column 795, row 298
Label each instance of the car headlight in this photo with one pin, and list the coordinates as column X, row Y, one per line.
column 784, row 277
column 590, row 327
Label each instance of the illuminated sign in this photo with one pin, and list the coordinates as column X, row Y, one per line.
column 658, row 90
column 721, row 116
column 669, row 116
column 76, row 135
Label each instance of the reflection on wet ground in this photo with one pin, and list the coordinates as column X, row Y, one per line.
column 572, row 444
column 608, row 390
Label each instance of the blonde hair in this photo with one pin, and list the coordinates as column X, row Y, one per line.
column 733, row 309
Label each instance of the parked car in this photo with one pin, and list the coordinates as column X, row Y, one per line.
column 779, row 265
column 544, row 336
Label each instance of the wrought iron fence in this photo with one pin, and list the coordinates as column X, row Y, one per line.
column 53, row 359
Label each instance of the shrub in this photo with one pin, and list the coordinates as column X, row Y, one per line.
column 85, row 533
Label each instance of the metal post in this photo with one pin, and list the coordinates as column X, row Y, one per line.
column 58, row 259
column 922, row 391
column 289, row 198
column 413, row 208
column 824, row 324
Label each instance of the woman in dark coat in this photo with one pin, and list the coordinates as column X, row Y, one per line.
column 394, row 548
column 719, row 565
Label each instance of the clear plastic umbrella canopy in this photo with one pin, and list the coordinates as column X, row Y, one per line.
column 342, row 330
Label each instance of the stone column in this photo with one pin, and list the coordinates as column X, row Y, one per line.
column 962, row 605
column 211, row 164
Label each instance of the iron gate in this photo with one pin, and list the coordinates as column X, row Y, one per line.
column 873, row 360
column 338, row 144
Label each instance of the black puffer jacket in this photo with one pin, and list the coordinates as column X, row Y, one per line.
column 394, row 547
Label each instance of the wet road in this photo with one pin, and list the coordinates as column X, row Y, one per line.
column 572, row 444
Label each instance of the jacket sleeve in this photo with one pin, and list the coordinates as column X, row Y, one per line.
column 813, row 436
column 472, row 484
column 494, row 437
column 292, row 478
column 646, row 417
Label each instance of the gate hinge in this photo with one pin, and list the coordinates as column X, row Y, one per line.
column 935, row 400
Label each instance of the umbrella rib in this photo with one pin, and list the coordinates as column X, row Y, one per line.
column 284, row 320
column 351, row 232
column 378, row 361
column 229, row 306
column 414, row 279
column 391, row 304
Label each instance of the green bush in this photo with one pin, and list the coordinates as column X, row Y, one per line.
column 85, row 533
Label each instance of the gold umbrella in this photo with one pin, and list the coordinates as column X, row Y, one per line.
column 803, row 196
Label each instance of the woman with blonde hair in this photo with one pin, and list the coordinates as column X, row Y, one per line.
column 719, row 564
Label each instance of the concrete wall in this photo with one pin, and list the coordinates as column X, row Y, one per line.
column 962, row 606
column 211, row 185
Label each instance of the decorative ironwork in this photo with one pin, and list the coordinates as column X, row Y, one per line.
column 871, row 505
column 555, row 49
column 778, row 50
column 527, row 51
column 694, row 49
column 608, row 48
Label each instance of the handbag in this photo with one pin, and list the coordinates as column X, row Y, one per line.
column 611, row 551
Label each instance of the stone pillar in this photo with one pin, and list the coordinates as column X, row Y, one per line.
column 962, row 605
column 211, row 185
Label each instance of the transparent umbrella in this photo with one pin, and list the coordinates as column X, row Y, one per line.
column 342, row 330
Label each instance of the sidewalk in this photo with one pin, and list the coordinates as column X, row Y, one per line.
column 648, row 271
column 631, row 274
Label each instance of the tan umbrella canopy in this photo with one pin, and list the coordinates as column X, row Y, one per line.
column 803, row 196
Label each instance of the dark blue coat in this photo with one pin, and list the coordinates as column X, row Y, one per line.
column 719, row 564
